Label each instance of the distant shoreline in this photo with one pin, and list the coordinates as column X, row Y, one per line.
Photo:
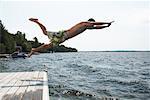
column 115, row 51
column 6, row 54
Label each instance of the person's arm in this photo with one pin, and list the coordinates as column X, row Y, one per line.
column 110, row 23
column 99, row 27
column 99, row 23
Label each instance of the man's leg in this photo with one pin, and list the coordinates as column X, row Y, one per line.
column 44, row 46
column 41, row 25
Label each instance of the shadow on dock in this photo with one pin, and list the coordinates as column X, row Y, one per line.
column 31, row 95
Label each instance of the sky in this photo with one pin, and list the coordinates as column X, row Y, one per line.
column 130, row 31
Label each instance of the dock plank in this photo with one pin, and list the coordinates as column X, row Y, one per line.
column 6, row 86
column 31, row 91
column 3, row 75
column 24, row 86
column 38, row 87
column 6, row 80
column 45, row 88
column 28, row 93
column 15, row 87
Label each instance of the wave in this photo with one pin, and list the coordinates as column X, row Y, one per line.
column 64, row 91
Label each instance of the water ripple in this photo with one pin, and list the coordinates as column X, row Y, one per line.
column 90, row 75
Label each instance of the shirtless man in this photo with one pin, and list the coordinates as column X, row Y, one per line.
column 58, row 37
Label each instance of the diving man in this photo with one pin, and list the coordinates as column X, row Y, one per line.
column 59, row 37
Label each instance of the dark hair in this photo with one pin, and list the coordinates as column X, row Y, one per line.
column 91, row 20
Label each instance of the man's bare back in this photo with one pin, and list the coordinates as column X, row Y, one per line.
column 78, row 28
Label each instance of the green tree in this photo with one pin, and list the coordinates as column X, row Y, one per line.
column 6, row 40
column 9, row 43
column 2, row 48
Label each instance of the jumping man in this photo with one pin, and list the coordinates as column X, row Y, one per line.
column 59, row 37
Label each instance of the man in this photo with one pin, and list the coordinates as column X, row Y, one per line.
column 58, row 37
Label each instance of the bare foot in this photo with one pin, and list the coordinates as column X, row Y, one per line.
column 32, row 51
column 33, row 19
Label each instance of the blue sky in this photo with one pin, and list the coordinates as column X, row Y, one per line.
column 131, row 30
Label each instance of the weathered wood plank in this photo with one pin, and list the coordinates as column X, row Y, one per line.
column 3, row 75
column 24, row 86
column 31, row 92
column 6, row 86
column 45, row 87
column 16, row 86
column 6, row 80
column 21, row 92
column 8, row 75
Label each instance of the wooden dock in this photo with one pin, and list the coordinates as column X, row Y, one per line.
column 24, row 86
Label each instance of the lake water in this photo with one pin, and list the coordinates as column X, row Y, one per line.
column 90, row 75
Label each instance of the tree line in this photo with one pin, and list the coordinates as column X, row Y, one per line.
column 8, row 42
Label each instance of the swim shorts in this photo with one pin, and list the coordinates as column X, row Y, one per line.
column 57, row 37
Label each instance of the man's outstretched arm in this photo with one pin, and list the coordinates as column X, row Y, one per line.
column 99, row 27
column 101, row 23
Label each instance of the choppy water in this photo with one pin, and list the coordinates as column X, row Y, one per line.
column 90, row 75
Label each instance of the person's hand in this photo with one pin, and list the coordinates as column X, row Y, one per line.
column 33, row 19
column 110, row 23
